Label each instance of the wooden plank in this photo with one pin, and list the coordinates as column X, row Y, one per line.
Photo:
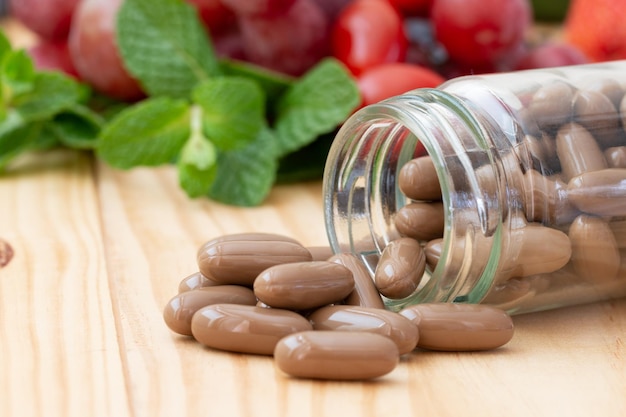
column 59, row 354
column 565, row 362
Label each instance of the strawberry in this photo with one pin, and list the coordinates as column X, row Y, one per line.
column 597, row 28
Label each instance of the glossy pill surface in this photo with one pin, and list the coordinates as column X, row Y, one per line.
column 365, row 293
column 181, row 308
column 304, row 285
column 600, row 192
column 578, row 151
column 418, row 179
column 353, row 318
column 243, row 328
column 460, row 327
column 421, row 221
column 195, row 280
column 327, row 354
column 400, row 268
column 240, row 258
column 595, row 252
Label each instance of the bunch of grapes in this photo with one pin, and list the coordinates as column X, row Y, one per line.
column 390, row 46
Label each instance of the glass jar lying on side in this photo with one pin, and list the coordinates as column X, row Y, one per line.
column 514, row 183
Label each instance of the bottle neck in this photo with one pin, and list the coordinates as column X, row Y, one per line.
column 361, row 194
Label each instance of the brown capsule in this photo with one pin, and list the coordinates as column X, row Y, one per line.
column 304, row 285
column 541, row 250
column 238, row 259
column 551, row 105
column 329, row 354
column 400, row 268
column 598, row 115
column 418, row 179
column 616, row 157
column 618, row 227
column 181, row 308
column 246, row 329
column 421, row 221
column 432, row 251
column 609, row 87
column 578, row 151
column 545, row 199
column 195, row 280
column 362, row 319
column 460, row 327
column 602, row 193
column 595, row 254
column 365, row 293
column 320, row 253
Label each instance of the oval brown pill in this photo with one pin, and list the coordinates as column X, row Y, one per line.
column 327, row 354
column 595, row 254
column 551, row 104
column 418, row 179
column 618, row 227
column 181, row 308
column 304, row 285
column 239, row 260
column 432, row 252
column 578, row 151
column 365, row 293
column 545, row 199
column 541, row 250
column 362, row 319
column 460, row 327
column 616, row 157
column 598, row 115
column 400, row 268
column 421, row 221
column 599, row 192
column 193, row 281
column 243, row 328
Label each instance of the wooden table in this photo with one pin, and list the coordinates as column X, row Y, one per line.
column 98, row 253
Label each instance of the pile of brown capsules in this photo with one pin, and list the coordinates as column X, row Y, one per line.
column 319, row 315
column 570, row 167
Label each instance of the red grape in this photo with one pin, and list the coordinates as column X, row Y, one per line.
column 392, row 79
column 95, row 53
column 551, row 54
column 413, row 7
column 368, row 33
column 259, row 7
column 480, row 32
column 332, row 8
column 290, row 43
column 54, row 56
column 217, row 17
column 50, row 19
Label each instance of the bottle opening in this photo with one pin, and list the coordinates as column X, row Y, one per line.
column 363, row 200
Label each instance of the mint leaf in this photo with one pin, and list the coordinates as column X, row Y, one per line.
column 5, row 45
column 245, row 176
column 322, row 99
column 16, row 136
column 151, row 132
column 18, row 73
column 51, row 93
column 164, row 45
column 197, row 164
column 233, row 110
column 273, row 83
column 77, row 127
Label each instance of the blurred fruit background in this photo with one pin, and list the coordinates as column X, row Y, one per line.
column 389, row 46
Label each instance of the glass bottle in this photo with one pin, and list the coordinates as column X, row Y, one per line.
column 531, row 167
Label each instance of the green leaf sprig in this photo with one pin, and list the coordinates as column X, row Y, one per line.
column 226, row 125
column 39, row 110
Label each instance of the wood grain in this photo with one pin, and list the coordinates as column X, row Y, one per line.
column 98, row 252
